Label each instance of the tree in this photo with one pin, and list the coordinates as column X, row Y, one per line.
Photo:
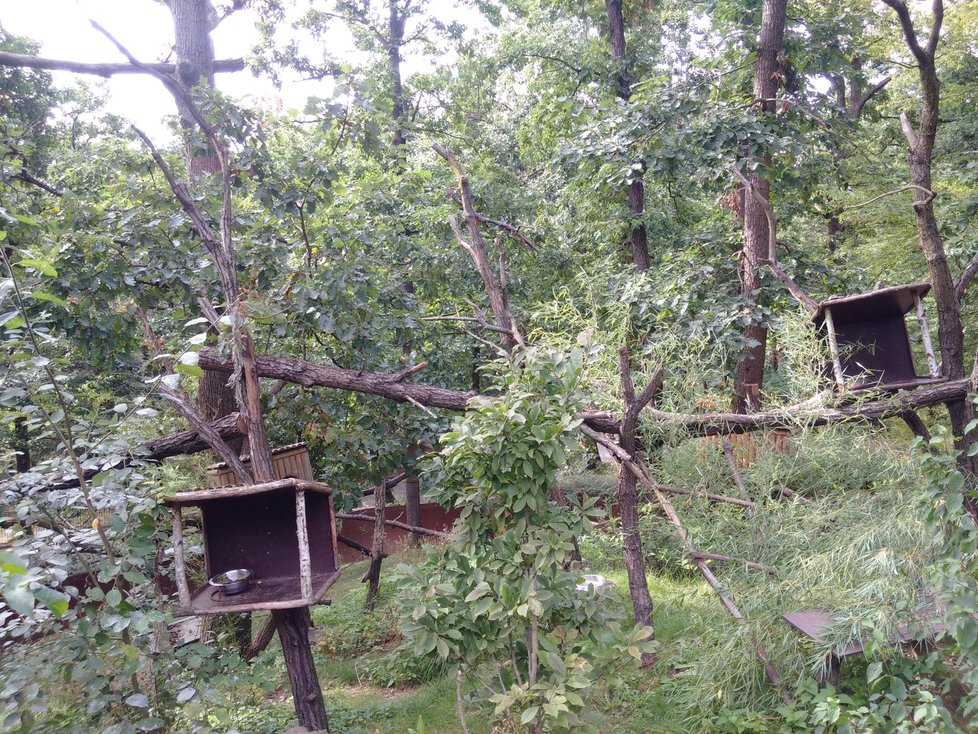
column 749, row 375
column 948, row 294
column 623, row 88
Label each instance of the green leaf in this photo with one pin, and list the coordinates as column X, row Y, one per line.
column 480, row 590
column 19, row 598
column 42, row 296
column 42, row 266
column 874, row 671
column 529, row 715
column 12, row 563
column 138, row 700
column 53, row 600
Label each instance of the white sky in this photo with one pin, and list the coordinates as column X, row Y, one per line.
column 146, row 29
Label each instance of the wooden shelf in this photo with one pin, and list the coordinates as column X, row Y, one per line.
column 270, row 593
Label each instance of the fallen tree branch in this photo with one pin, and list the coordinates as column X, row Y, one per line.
column 393, row 523
column 807, row 413
column 228, row 428
column 709, row 496
column 728, row 454
column 892, row 406
column 308, row 374
column 730, row 559
column 697, row 556
column 349, row 542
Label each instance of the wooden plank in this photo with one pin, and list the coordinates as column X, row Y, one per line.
column 212, row 493
column 278, row 593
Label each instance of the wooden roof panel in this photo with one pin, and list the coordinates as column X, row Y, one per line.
column 893, row 301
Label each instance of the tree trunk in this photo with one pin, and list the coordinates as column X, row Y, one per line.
column 950, row 331
column 372, row 577
column 394, row 42
column 638, row 585
column 22, row 445
column 638, row 235
column 293, row 631
column 749, row 375
column 192, row 21
column 412, row 506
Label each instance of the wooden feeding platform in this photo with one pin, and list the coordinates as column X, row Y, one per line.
column 813, row 623
column 868, row 340
column 283, row 531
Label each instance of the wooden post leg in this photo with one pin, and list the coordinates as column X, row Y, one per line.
column 293, row 631
column 834, row 349
column 830, row 673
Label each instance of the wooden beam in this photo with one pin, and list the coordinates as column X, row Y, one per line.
column 925, row 336
column 302, row 530
column 834, row 348
column 179, row 560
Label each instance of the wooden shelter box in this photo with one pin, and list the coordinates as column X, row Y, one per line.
column 288, row 461
column 868, row 339
column 283, row 531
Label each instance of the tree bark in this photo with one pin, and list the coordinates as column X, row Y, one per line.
column 638, row 585
column 811, row 412
column 192, row 21
column 372, row 577
column 293, row 631
column 638, row 234
column 749, row 374
column 22, row 445
column 476, row 247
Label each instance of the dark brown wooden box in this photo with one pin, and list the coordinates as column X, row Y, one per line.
column 283, row 531
column 868, row 339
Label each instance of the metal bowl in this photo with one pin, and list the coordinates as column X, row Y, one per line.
column 232, row 582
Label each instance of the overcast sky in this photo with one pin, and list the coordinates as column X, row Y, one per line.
column 146, row 29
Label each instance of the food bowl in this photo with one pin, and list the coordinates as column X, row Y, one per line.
column 232, row 582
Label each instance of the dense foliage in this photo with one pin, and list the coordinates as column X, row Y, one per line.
column 344, row 221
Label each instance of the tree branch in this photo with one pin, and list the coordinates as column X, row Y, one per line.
column 909, row 34
column 876, row 89
column 104, row 70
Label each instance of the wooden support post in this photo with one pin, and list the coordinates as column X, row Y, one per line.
column 179, row 560
column 830, row 672
column 372, row 577
column 305, row 562
column 925, row 336
column 834, row 348
column 412, row 505
column 293, row 631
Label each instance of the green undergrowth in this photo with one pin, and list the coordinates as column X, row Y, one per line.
column 851, row 539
